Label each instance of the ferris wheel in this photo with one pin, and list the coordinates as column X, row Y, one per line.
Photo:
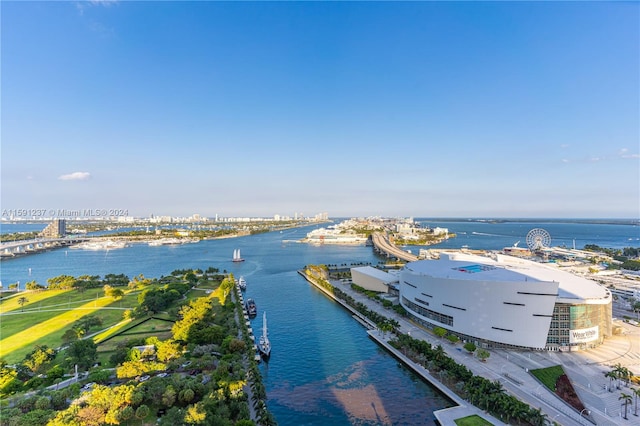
column 538, row 238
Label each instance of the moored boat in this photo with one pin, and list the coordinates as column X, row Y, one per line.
column 242, row 284
column 250, row 306
column 264, row 345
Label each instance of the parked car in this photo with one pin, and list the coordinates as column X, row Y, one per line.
column 88, row 386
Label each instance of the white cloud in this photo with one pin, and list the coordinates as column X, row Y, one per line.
column 82, row 5
column 624, row 153
column 76, row 176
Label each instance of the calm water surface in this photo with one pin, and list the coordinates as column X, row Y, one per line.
column 324, row 369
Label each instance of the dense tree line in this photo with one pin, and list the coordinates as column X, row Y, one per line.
column 83, row 282
column 629, row 256
column 208, row 388
column 481, row 392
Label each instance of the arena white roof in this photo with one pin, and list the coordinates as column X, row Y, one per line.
column 463, row 266
column 377, row 274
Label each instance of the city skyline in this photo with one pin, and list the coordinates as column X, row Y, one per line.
column 423, row 109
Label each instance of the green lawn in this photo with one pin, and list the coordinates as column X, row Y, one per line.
column 30, row 328
column 548, row 376
column 48, row 314
column 474, row 420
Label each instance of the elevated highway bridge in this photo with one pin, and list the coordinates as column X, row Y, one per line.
column 16, row 248
column 381, row 243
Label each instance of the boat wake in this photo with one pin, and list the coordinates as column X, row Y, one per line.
column 486, row 235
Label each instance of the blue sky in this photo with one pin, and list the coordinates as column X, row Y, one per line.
column 457, row 109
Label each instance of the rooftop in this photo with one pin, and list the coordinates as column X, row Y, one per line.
column 501, row 268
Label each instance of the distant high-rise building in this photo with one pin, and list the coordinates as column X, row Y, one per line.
column 56, row 229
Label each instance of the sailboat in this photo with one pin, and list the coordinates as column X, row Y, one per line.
column 264, row 346
column 236, row 256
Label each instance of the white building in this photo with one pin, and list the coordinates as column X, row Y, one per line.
column 626, row 291
column 503, row 301
column 334, row 236
column 373, row 279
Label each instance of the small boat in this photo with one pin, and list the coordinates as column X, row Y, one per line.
column 250, row 306
column 242, row 284
column 236, row 256
column 264, row 345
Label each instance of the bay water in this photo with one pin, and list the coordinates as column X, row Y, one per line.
column 323, row 369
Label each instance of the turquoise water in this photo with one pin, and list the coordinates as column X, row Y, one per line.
column 323, row 369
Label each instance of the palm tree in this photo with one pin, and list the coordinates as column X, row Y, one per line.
column 621, row 373
column 636, row 393
column 627, row 400
column 23, row 301
column 536, row 417
column 610, row 375
column 626, row 375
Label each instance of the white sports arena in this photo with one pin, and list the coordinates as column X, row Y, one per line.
column 507, row 302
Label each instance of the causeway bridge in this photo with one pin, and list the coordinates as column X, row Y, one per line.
column 17, row 248
column 382, row 244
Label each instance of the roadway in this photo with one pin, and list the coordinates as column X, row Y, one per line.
column 40, row 242
column 381, row 242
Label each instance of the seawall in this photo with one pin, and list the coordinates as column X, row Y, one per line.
column 445, row 416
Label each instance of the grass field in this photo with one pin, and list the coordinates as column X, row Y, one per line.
column 472, row 421
column 548, row 376
column 48, row 314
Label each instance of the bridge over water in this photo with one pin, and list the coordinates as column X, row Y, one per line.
column 17, row 248
column 381, row 243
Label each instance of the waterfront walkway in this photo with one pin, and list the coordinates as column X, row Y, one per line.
column 511, row 368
